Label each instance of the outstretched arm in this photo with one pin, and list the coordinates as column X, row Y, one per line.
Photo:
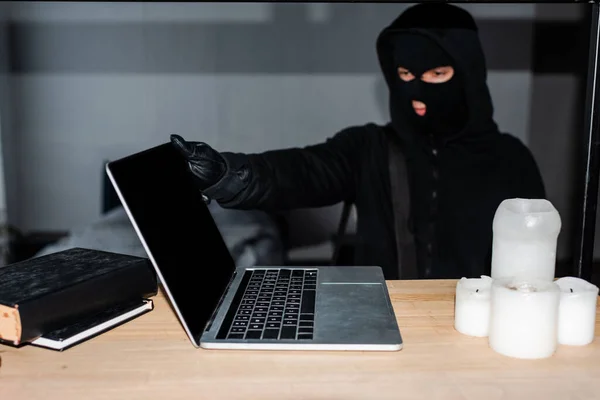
column 313, row 176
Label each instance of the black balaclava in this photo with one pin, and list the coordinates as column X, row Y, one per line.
column 446, row 106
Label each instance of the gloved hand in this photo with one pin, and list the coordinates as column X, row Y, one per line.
column 207, row 165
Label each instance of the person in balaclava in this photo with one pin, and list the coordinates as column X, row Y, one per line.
column 426, row 185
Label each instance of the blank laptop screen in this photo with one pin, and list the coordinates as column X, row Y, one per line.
column 178, row 229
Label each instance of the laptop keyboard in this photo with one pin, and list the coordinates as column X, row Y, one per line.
column 273, row 304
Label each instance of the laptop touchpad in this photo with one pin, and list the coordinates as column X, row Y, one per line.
column 353, row 313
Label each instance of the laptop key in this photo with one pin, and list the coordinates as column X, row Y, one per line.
column 256, row 326
column 305, row 336
column 308, row 302
column 238, row 330
column 288, row 332
column 273, row 324
column 253, row 334
column 271, row 334
column 307, row 317
column 235, row 336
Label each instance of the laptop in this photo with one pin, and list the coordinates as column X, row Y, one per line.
column 222, row 306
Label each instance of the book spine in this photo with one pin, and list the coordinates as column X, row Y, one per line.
column 53, row 311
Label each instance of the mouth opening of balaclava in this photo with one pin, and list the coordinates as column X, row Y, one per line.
column 446, row 110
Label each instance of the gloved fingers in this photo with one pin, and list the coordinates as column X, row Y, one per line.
column 195, row 151
column 187, row 149
column 201, row 164
column 200, row 172
column 208, row 156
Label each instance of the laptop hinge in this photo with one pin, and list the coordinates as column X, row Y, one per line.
column 218, row 306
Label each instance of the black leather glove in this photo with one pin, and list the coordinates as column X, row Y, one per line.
column 207, row 165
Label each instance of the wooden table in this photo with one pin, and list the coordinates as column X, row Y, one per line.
column 151, row 358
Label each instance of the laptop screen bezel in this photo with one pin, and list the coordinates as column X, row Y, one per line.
column 193, row 334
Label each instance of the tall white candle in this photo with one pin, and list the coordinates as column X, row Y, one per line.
column 472, row 306
column 525, row 234
column 524, row 318
column 577, row 311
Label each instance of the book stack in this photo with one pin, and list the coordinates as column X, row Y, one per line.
column 64, row 298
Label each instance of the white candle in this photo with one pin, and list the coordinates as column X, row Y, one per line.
column 577, row 311
column 472, row 306
column 524, row 318
column 524, row 240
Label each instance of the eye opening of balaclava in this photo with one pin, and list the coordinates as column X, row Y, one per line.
column 446, row 110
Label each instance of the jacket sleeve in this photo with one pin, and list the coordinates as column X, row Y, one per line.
column 313, row 176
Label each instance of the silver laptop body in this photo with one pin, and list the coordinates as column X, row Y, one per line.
column 222, row 306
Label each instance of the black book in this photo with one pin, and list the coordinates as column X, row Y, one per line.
column 93, row 325
column 43, row 294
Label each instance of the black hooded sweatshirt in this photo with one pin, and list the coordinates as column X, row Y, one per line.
column 456, row 181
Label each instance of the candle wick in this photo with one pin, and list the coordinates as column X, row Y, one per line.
column 571, row 290
column 477, row 291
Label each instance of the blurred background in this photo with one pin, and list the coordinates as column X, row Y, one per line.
column 83, row 83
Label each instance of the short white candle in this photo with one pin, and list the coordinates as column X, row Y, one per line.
column 524, row 318
column 472, row 306
column 525, row 234
column 577, row 311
